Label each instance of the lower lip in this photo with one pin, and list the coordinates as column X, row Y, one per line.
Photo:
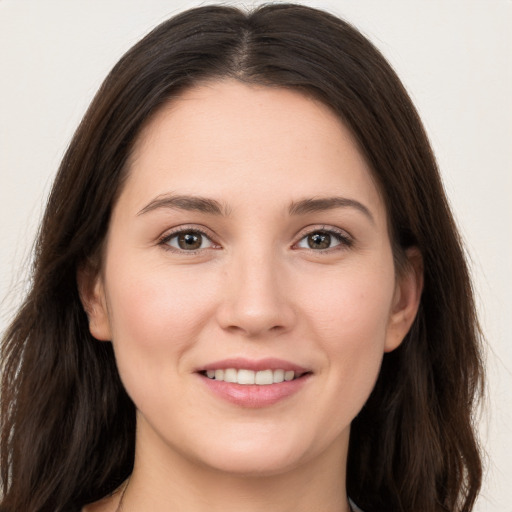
column 253, row 395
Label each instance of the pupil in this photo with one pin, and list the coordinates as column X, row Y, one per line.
column 319, row 241
column 189, row 241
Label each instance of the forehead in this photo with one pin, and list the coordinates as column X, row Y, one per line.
column 229, row 138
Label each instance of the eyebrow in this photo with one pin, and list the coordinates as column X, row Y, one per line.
column 311, row 205
column 213, row 207
column 189, row 203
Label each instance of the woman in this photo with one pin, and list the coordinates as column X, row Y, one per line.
column 249, row 291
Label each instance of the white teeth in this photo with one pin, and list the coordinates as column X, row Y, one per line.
column 262, row 378
column 230, row 375
column 278, row 376
column 245, row 377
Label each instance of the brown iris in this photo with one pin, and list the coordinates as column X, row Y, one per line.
column 319, row 240
column 190, row 241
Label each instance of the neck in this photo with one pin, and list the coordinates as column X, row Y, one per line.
column 172, row 482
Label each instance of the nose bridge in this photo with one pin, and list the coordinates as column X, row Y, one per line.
column 256, row 299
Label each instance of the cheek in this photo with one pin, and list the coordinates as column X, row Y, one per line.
column 151, row 307
column 352, row 304
column 156, row 316
column 349, row 317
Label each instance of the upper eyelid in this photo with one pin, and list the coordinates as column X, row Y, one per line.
column 169, row 233
column 322, row 227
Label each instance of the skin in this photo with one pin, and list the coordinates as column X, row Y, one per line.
column 254, row 289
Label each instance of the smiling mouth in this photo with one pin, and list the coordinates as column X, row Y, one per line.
column 251, row 377
column 254, row 384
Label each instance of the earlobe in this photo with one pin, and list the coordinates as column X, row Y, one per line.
column 92, row 295
column 406, row 300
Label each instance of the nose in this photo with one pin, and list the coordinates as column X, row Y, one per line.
column 256, row 301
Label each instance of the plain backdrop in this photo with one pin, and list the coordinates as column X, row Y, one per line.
column 454, row 56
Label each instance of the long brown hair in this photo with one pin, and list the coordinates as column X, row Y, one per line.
column 67, row 425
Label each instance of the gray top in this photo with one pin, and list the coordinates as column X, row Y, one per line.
column 355, row 508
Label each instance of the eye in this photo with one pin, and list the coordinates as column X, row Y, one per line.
column 323, row 240
column 189, row 240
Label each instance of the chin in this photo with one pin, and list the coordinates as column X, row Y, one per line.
column 248, row 465
column 250, row 457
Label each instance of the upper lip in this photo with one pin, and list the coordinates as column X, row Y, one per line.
column 269, row 363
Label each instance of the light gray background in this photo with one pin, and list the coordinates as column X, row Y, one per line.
column 454, row 56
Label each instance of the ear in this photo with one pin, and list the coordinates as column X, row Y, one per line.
column 92, row 295
column 406, row 300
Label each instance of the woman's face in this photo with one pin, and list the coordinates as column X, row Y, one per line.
column 249, row 243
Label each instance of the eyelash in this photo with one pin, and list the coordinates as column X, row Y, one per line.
column 164, row 240
column 345, row 241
